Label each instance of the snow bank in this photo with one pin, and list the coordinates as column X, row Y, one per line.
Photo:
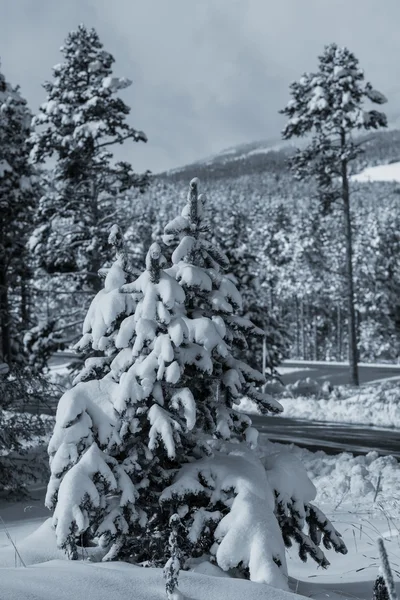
column 377, row 405
column 87, row 581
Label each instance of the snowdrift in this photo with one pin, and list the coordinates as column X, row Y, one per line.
column 120, row 581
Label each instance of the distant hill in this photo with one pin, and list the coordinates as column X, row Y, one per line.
column 271, row 156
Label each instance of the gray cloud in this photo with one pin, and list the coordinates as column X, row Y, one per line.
column 206, row 74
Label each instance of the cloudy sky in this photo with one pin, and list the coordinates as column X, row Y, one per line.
column 207, row 74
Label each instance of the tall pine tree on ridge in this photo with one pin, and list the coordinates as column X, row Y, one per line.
column 329, row 105
column 80, row 122
column 78, row 127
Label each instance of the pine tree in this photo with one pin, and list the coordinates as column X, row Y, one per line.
column 148, row 453
column 329, row 105
column 78, row 126
column 17, row 201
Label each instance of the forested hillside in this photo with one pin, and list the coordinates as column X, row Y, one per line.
column 288, row 250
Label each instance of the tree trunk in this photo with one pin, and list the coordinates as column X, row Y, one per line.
column 315, row 327
column 303, row 330
column 5, row 340
column 353, row 351
column 297, row 328
column 339, row 333
column 264, row 358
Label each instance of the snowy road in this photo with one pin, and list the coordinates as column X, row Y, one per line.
column 330, row 437
column 336, row 373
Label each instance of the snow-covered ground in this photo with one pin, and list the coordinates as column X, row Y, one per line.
column 375, row 404
column 360, row 494
column 389, row 172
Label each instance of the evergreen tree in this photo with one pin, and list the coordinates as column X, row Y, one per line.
column 17, row 201
column 81, row 121
column 329, row 105
column 148, row 453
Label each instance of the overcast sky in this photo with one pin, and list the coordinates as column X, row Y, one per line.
column 207, row 74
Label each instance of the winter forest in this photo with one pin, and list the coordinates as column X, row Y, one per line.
column 199, row 367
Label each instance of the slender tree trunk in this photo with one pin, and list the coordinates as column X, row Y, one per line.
column 353, row 351
column 297, row 328
column 303, row 330
column 5, row 340
column 339, row 332
column 315, row 338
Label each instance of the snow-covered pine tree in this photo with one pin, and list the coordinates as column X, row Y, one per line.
column 81, row 123
column 234, row 510
column 329, row 105
column 157, row 435
column 81, row 120
column 17, row 201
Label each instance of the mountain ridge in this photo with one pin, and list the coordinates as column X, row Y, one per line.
column 271, row 155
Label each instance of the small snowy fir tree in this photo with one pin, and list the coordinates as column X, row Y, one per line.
column 81, row 121
column 330, row 105
column 149, row 457
column 173, row 565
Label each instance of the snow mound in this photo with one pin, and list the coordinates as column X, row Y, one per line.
column 83, row 580
column 379, row 173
